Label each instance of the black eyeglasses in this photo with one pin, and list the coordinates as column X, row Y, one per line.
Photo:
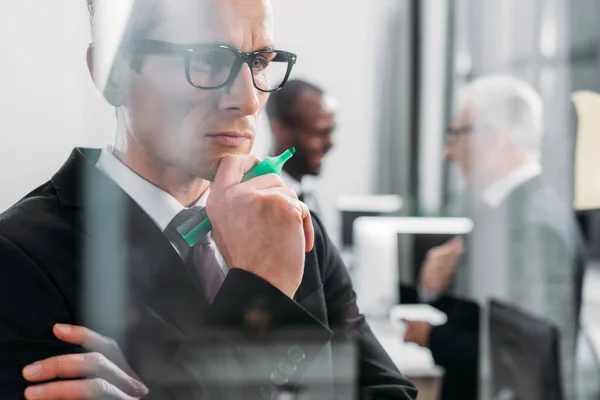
column 453, row 133
column 212, row 66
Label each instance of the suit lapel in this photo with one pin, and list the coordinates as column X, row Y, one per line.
column 158, row 281
column 159, row 277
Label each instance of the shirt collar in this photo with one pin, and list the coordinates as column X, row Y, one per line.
column 501, row 189
column 158, row 204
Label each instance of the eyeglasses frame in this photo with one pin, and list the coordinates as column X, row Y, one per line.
column 151, row 46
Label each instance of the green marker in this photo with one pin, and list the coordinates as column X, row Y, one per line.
column 194, row 230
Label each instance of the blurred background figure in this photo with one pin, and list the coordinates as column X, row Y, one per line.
column 301, row 115
column 524, row 249
column 403, row 72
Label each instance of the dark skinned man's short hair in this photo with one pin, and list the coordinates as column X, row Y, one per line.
column 282, row 104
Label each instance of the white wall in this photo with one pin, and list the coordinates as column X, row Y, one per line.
column 339, row 45
column 49, row 104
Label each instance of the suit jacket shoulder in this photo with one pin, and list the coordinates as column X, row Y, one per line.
column 537, row 204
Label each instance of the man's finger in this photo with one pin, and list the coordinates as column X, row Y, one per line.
column 408, row 333
column 231, row 171
column 83, row 336
column 76, row 390
column 268, row 181
column 300, row 207
column 93, row 342
column 309, row 231
column 452, row 248
column 435, row 252
column 456, row 244
column 83, row 366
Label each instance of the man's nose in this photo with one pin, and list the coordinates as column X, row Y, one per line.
column 448, row 153
column 241, row 97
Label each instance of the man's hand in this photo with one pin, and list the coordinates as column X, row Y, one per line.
column 417, row 332
column 260, row 225
column 439, row 266
column 101, row 374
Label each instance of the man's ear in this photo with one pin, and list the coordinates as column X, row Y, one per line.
column 115, row 88
column 282, row 134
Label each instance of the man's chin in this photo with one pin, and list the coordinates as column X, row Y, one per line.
column 315, row 167
column 208, row 167
column 207, row 171
column 315, row 171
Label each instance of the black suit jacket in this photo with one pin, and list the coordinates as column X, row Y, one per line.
column 532, row 227
column 142, row 293
column 454, row 345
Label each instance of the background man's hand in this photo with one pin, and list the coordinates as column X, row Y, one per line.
column 260, row 225
column 439, row 266
column 101, row 374
column 417, row 332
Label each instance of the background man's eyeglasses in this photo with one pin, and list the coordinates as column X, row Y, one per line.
column 212, row 67
column 453, row 133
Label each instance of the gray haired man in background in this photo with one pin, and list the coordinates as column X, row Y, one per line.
column 524, row 250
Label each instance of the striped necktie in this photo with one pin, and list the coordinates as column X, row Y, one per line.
column 202, row 258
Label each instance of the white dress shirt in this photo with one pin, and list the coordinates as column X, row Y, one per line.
column 160, row 206
column 502, row 188
column 494, row 196
column 302, row 188
column 292, row 182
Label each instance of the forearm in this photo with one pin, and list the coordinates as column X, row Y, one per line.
column 254, row 338
column 454, row 348
column 244, row 295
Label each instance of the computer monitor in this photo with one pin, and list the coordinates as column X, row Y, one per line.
column 419, row 235
column 377, row 272
column 352, row 207
column 524, row 355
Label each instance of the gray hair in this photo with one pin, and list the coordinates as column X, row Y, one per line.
column 503, row 102
column 144, row 16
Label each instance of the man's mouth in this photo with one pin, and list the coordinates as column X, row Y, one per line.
column 229, row 139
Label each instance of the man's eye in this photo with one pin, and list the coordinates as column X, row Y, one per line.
column 260, row 63
column 209, row 61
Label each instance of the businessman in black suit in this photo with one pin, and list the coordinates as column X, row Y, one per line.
column 303, row 116
column 524, row 249
column 257, row 308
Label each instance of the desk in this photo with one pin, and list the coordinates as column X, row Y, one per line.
column 411, row 359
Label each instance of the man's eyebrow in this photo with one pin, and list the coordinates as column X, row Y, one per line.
column 266, row 48
column 228, row 44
